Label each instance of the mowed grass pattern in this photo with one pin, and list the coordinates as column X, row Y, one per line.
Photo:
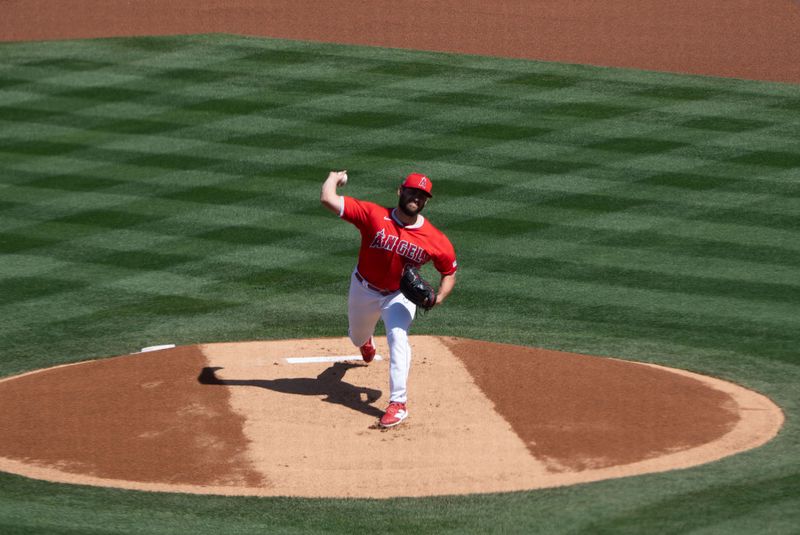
column 164, row 190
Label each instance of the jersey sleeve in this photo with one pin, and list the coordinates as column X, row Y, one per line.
column 355, row 211
column 445, row 259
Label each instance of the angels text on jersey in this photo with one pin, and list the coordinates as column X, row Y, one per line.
column 391, row 243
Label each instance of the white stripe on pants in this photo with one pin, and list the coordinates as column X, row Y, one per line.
column 365, row 307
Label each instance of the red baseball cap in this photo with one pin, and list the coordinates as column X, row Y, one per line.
column 418, row 181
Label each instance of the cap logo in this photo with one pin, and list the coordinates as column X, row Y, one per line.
column 423, row 182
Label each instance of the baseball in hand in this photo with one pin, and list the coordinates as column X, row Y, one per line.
column 342, row 178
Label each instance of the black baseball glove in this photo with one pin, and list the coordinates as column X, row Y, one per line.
column 416, row 289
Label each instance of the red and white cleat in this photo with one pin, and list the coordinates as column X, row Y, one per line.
column 368, row 351
column 395, row 413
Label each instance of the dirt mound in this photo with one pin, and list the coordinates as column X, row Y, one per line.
column 297, row 418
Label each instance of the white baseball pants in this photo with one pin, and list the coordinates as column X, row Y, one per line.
column 365, row 307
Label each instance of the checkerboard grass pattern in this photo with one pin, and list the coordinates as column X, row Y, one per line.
column 165, row 189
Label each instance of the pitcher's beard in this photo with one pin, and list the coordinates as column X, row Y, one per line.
column 407, row 211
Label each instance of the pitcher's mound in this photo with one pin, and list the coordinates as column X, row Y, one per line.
column 298, row 418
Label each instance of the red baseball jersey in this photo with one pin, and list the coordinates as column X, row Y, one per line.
column 387, row 245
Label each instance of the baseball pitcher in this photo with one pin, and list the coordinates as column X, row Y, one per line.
column 386, row 283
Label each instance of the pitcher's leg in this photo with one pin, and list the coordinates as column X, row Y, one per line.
column 363, row 312
column 398, row 314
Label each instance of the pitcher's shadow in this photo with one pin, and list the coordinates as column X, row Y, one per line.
column 329, row 383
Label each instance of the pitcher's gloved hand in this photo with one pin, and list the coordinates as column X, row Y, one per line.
column 416, row 289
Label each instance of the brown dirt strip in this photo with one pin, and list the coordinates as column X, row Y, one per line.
column 142, row 417
column 752, row 39
column 578, row 412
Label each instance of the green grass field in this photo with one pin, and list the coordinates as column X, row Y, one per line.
column 165, row 190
